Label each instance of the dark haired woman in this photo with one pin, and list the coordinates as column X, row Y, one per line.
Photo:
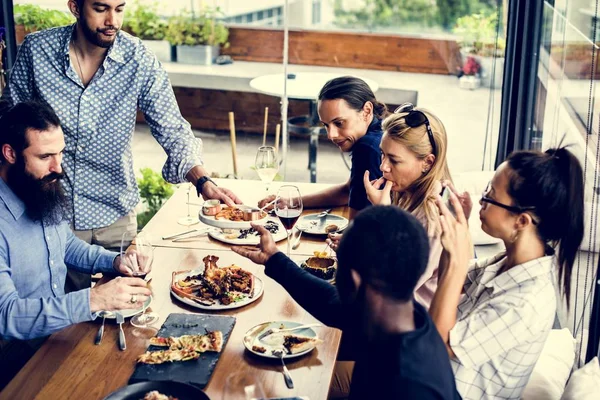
column 352, row 117
column 495, row 332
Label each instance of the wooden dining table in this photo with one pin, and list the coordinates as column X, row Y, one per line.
column 70, row 366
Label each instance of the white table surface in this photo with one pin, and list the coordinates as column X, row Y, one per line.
column 305, row 85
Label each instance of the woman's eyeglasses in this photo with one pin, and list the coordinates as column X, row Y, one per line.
column 514, row 209
column 416, row 118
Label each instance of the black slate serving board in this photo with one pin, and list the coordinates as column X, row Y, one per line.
column 195, row 372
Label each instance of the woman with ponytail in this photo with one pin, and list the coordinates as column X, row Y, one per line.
column 352, row 117
column 495, row 331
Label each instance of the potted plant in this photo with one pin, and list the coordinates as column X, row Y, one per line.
column 154, row 191
column 479, row 38
column 470, row 72
column 145, row 23
column 198, row 38
column 31, row 18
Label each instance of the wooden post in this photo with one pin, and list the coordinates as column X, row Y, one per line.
column 233, row 143
column 265, row 128
column 277, row 133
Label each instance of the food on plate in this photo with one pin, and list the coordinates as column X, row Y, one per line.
column 331, row 228
column 271, row 226
column 321, row 265
column 182, row 348
column 297, row 344
column 211, row 341
column 214, row 285
column 156, row 395
column 230, row 213
column 259, row 349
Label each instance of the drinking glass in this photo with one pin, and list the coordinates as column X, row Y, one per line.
column 266, row 164
column 288, row 207
column 189, row 219
column 137, row 261
column 242, row 386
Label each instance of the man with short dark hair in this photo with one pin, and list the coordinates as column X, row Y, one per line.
column 398, row 351
column 37, row 245
column 95, row 77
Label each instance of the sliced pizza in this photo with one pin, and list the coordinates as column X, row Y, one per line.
column 164, row 356
column 211, row 341
column 297, row 344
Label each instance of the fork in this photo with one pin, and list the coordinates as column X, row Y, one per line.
column 271, row 331
column 286, row 374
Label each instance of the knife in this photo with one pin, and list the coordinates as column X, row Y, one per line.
column 323, row 217
column 101, row 330
column 120, row 320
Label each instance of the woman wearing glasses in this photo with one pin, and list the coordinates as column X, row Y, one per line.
column 413, row 163
column 495, row 332
column 352, row 117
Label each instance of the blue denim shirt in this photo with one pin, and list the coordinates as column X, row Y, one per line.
column 99, row 120
column 34, row 258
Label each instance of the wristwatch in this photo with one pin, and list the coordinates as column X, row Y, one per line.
column 200, row 183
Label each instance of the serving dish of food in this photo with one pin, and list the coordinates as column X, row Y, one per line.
column 248, row 236
column 321, row 265
column 226, row 217
column 215, row 288
column 285, row 337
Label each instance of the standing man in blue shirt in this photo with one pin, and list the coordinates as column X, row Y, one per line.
column 37, row 245
column 96, row 77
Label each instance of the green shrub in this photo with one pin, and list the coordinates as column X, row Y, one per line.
column 154, row 191
column 144, row 22
column 205, row 29
column 478, row 34
column 35, row 18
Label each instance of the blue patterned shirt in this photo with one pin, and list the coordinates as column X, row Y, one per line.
column 99, row 120
column 34, row 258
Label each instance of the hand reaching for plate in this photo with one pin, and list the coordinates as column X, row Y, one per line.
column 333, row 240
column 265, row 201
column 265, row 250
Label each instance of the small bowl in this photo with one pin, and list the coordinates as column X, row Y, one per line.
column 251, row 213
column 211, row 207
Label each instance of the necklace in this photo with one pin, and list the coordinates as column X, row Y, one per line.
column 77, row 58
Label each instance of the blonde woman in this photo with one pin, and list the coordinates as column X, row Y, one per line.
column 413, row 163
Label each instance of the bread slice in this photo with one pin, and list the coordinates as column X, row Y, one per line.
column 297, row 344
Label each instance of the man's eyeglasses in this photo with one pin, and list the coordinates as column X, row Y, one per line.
column 416, row 118
column 514, row 209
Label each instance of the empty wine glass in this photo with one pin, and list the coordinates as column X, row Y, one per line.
column 266, row 164
column 138, row 258
column 288, row 207
column 242, row 386
column 189, row 219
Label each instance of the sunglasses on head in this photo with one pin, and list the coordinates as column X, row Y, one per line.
column 416, row 118
column 514, row 209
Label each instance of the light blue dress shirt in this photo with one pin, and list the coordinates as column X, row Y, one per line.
column 34, row 258
column 99, row 120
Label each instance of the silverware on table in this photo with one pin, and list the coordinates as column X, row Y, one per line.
column 179, row 234
column 100, row 333
column 322, row 217
column 277, row 330
column 297, row 241
column 286, row 374
column 120, row 320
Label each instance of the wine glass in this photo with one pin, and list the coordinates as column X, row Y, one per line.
column 288, row 207
column 242, row 386
column 137, row 261
column 266, row 164
column 189, row 219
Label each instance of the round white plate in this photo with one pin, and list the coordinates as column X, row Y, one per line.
column 128, row 313
column 227, row 224
column 258, row 291
column 275, row 341
column 231, row 236
column 312, row 224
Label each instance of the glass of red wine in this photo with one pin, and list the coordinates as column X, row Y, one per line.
column 288, row 207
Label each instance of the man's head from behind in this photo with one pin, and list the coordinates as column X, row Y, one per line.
column 100, row 20
column 31, row 147
column 385, row 251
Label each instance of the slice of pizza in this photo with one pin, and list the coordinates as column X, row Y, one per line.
column 211, row 341
column 164, row 356
column 297, row 344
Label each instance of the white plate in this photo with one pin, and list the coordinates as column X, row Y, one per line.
column 258, row 291
column 311, row 223
column 227, row 224
column 271, row 342
column 230, row 236
column 128, row 313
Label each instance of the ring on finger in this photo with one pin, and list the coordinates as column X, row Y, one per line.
column 133, row 299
